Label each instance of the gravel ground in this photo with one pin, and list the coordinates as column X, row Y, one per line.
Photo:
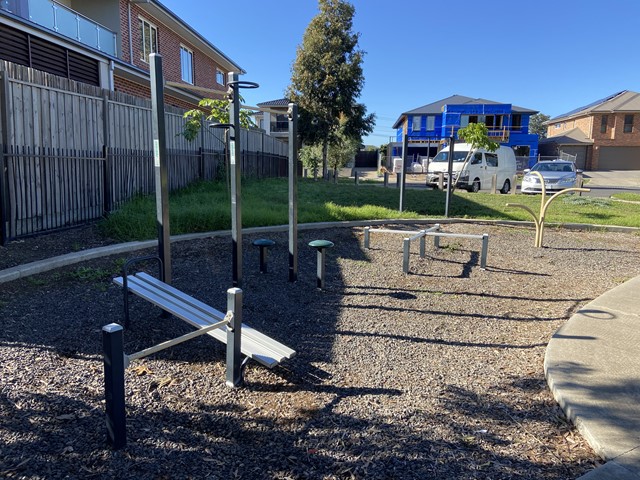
column 436, row 374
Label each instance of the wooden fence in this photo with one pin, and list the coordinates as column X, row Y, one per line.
column 71, row 152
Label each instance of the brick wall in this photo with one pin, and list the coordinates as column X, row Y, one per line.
column 169, row 47
column 132, row 88
column 585, row 124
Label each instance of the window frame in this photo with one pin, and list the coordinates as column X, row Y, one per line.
column 218, row 74
column 144, row 56
column 431, row 123
column 604, row 121
column 628, row 125
column 186, row 50
column 413, row 123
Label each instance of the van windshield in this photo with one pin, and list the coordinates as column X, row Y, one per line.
column 444, row 156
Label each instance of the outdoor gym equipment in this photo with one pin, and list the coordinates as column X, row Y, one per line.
column 116, row 361
column 421, row 235
column 226, row 328
column 538, row 220
column 321, row 246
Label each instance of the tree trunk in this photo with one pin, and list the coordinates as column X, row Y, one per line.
column 325, row 168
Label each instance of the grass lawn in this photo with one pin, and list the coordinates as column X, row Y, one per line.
column 206, row 207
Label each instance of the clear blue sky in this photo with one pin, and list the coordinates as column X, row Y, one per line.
column 546, row 55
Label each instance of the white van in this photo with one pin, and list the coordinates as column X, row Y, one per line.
column 474, row 170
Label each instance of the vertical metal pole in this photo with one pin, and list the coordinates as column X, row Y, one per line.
column 422, row 244
column 263, row 259
column 386, row 179
column 367, row 236
column 236, row 172
column 234, row 334
column 406, row 247
column 160, row 166
column 356, row 178
column 112, row 347
column 485, row 248
column 293, row 192
column 405, row 147
column 4, row 150
column 450, row 174
column 436, row 241
column 320, row 269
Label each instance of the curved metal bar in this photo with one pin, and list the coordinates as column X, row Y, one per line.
column 243, row 84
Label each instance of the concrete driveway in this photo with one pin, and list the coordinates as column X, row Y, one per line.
column 613, row 178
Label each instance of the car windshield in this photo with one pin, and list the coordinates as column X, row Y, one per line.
column 444, row 156
column 552, row 167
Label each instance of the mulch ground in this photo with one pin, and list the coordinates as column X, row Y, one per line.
column 435, row 374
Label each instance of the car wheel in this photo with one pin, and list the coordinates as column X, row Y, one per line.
column 506, row 187
column 475, row 186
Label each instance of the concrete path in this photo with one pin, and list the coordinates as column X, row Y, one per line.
column 592, row 365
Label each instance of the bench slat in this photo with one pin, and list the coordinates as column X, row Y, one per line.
column 200, row 307
column 254, row 344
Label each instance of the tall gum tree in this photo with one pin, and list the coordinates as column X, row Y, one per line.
column 327, row 79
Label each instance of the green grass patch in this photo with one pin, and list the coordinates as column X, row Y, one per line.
column 629, row 197
column 206, row 206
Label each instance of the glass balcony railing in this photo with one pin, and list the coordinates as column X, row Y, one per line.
column 279, row 127
column 63, row 20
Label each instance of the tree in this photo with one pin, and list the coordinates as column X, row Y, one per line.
column 536, row 124
column 477, row 134
column 218, row 113
column 311, row 157
column 327, row 79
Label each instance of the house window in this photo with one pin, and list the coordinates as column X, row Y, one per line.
column 603, row 123
column 415, row 125
column 556, row 126
column 516, row 121
column 149, row 39
column 464, row 120
column 431, row 123
column 628, row 123
column 186, row 64
column 220, row 77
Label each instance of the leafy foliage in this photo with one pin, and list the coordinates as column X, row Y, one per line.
column 536, row 124
column 477, row 134
column 218, row 113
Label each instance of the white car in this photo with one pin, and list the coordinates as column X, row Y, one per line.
column 557, row 175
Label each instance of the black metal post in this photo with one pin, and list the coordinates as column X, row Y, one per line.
column 160, row 165
column 293, row 192
column 4, row 150
column 236, row 172
column 386, row 179
column 234, row 333
column 113, row 349
column 405, row 146
column 449, row 176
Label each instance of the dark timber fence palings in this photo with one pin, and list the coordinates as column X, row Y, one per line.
column 71, row 153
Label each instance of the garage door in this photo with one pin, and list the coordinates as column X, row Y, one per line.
column 619, row 158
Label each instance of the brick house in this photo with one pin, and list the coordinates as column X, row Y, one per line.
column 107, row 43
column 604, row 134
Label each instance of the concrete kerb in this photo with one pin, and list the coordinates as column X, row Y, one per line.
column 41, row 266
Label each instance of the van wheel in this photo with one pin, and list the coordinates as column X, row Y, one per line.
column 506, row 187
column 475, row 186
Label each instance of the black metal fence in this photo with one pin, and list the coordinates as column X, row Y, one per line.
column 45, row 189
